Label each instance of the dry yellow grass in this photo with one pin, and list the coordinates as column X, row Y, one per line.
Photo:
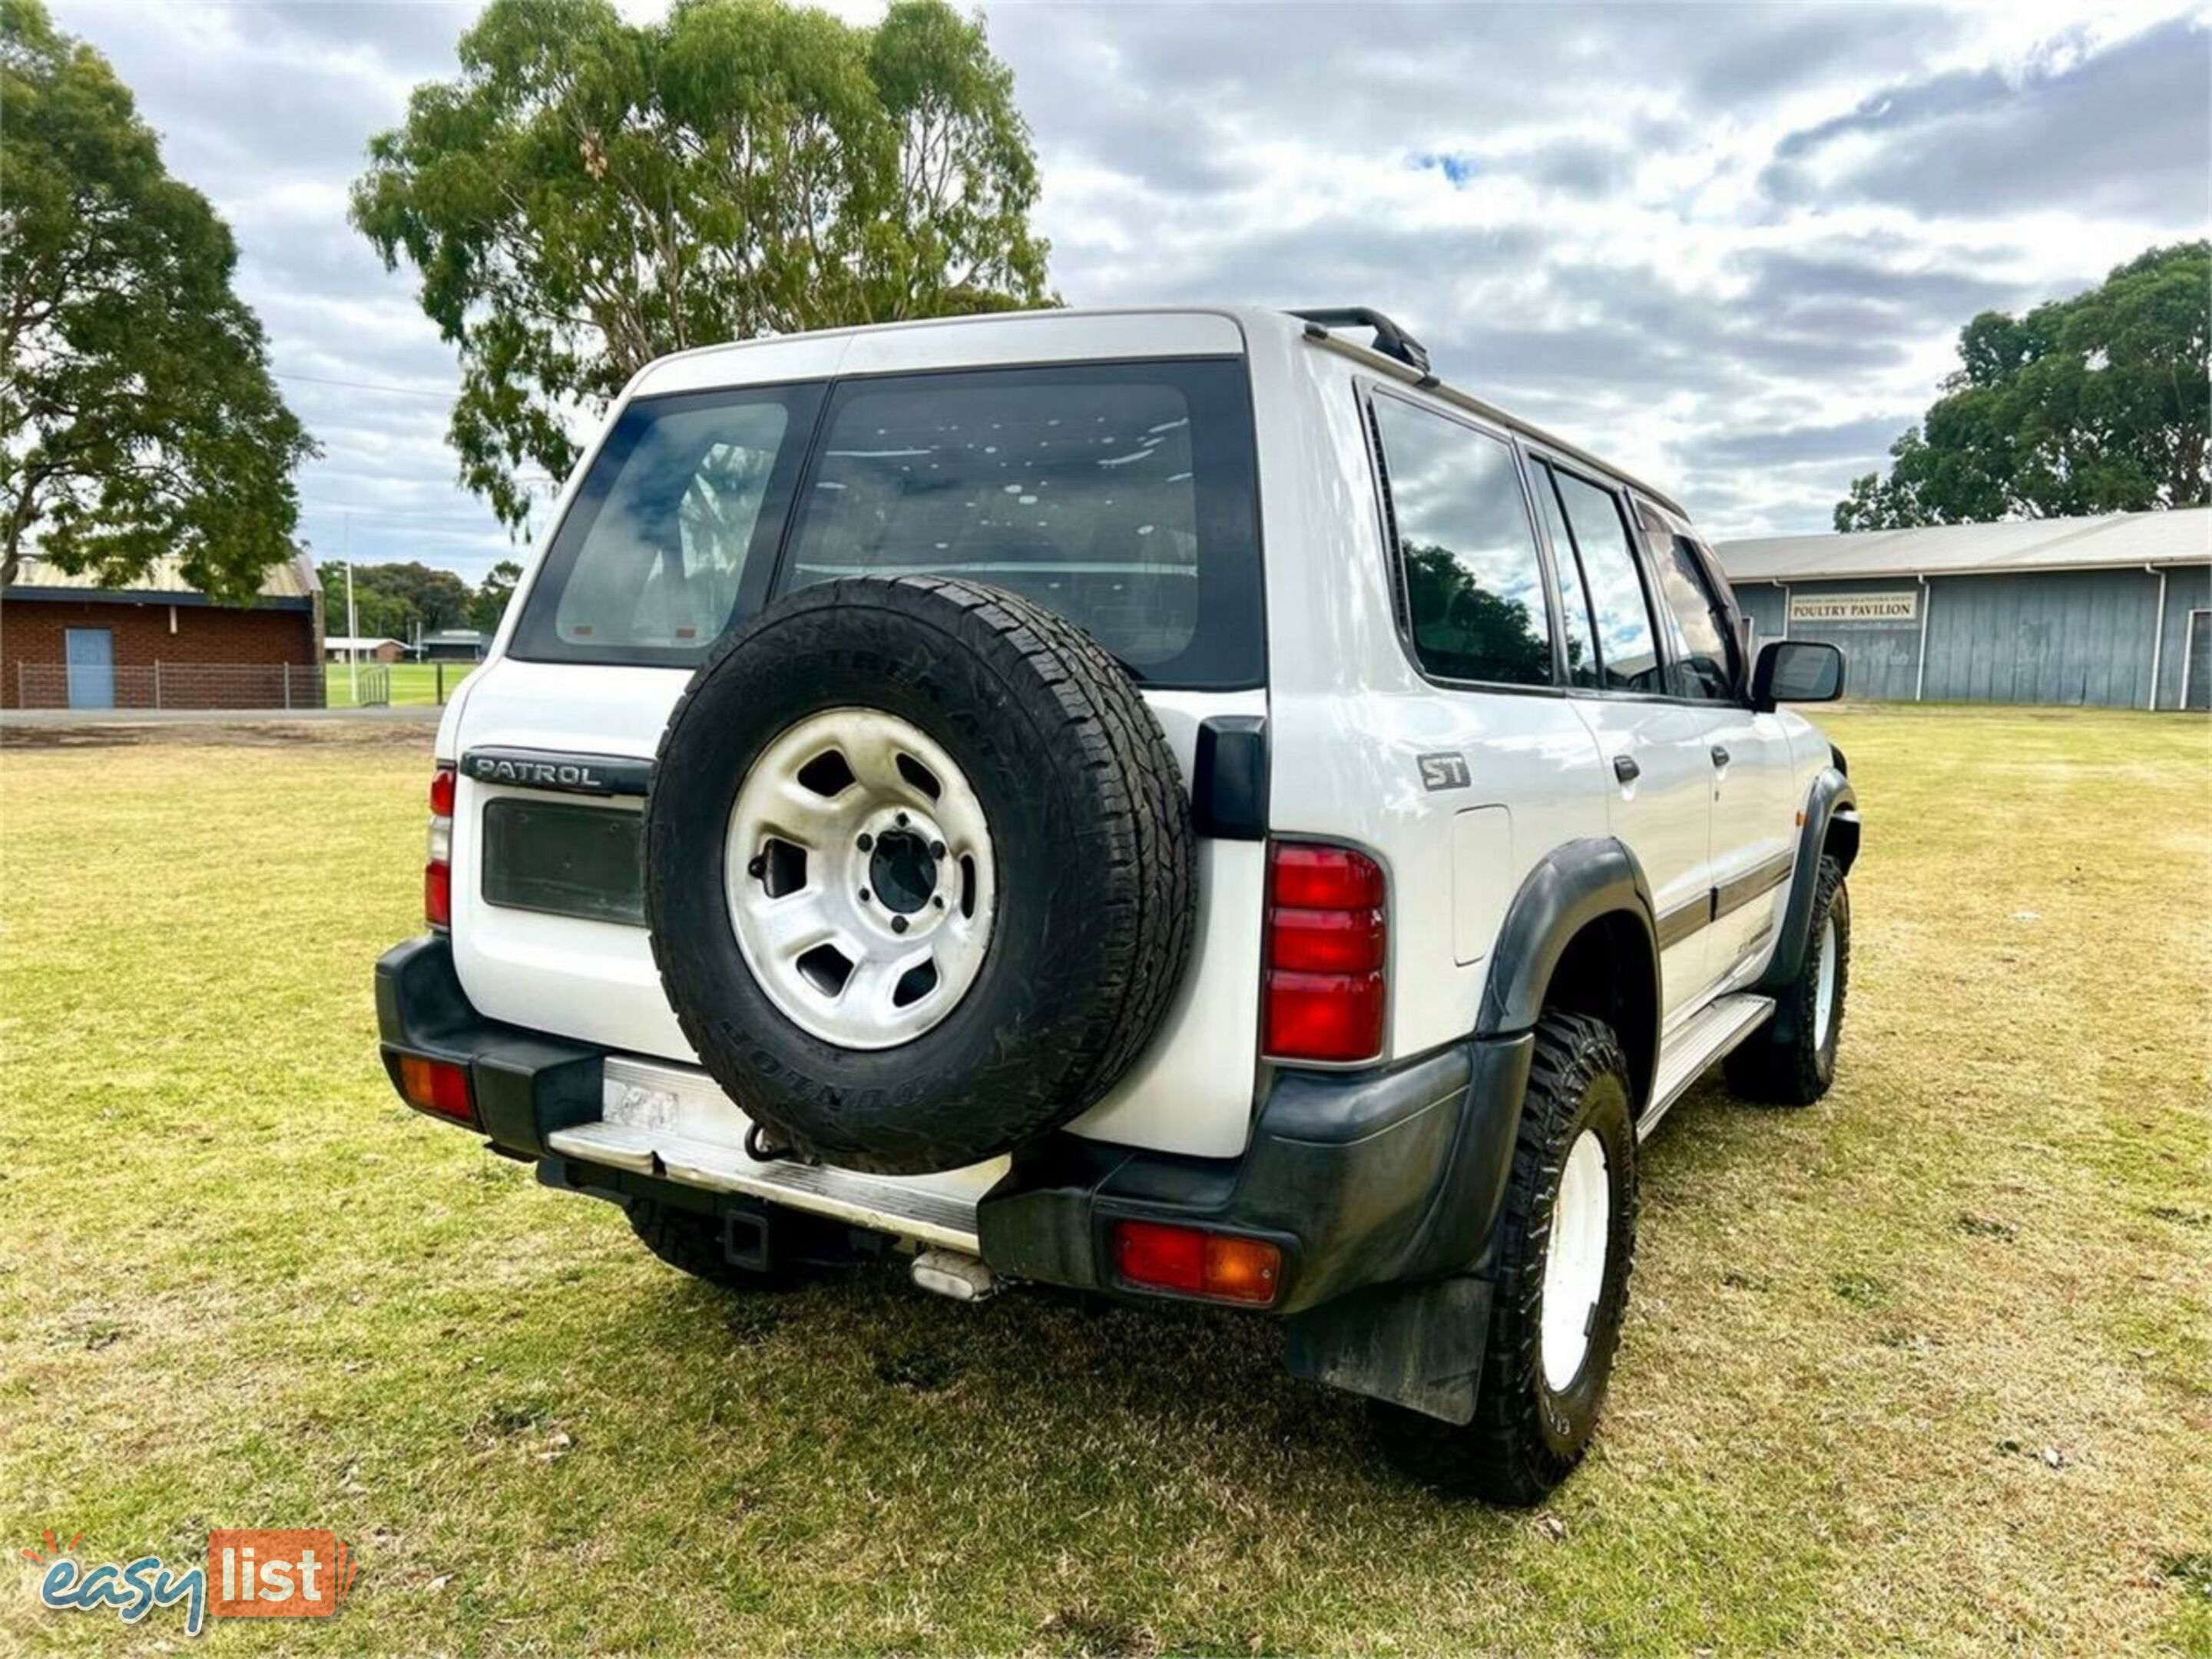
column 1927, row 1367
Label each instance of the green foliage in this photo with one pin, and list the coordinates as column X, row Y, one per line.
column 2098, row 404
column 1454, row 616
column 588, row 195
column 489, row 604
column 137, row 416
column 394, row 601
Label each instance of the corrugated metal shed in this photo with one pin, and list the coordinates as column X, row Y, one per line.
column 2114, row 612
column 2182, row 537
column 295, row 579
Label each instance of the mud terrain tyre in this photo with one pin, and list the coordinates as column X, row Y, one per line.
column 958, row 792
column 1791, row 1060
column 1542, row 1387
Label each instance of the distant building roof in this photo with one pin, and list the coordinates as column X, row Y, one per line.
column 293, row 580
column 452, row 637
column 2181, row 536
column 359, row 641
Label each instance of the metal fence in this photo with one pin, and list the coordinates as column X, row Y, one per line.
column 172, row 685
column 369, row 685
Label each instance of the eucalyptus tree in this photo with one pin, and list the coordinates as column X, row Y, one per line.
column 137, row 415
column 588, row 194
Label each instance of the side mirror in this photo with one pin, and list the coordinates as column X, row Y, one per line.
column 1796, row 671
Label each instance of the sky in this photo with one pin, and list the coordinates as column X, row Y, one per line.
column 1728, row 247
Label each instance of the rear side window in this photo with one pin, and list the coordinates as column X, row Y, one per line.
column 1474, row 581
column 680, row 514
column 1700, row 634
column 1628, row 646
column 1575, row 624
column 1121, row 495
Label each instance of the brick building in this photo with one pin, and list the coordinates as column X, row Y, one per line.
column 345, row 647
column 66, row 643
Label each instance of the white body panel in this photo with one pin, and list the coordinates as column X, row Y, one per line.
column 1665, row 816
column 596, row 979
column 1348, row 718
column 1755, row 800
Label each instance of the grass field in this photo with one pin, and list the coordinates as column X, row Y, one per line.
column 1926, row 1368
column 411, row 682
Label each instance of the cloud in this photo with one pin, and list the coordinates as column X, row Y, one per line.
column 1730, row 247
column 1798, row 445
column 2119, row 131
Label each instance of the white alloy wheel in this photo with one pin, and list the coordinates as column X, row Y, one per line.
column 860, row 878
column 1574, row 1265
column 1824, row 994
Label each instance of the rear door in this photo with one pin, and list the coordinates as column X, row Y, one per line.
column 1119, row 492
column 1655, row 749
column 1754, row 840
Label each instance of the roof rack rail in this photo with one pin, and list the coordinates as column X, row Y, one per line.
column 1390, row 340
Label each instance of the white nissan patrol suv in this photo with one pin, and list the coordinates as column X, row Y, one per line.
column 1175, row 804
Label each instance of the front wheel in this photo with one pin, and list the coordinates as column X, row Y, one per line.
column 1791, row 1060
column 1567, row 1238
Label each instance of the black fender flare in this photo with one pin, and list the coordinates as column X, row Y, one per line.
column 1572, row 886
column 1832, row 802
column 1418, row 1337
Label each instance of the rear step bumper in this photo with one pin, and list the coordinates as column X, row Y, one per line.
column 1364, row 1178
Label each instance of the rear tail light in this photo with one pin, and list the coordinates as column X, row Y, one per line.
column 1327, row 945
column 438, row 866
column 1220, row 1267
column 437, row 1086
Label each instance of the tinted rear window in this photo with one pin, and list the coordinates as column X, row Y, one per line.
column 1628, row 646
column 1121, row 495
column 1474, row 586
column 675, row 527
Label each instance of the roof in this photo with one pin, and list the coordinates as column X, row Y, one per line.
column 2183, row 536
column 453, row 635
column 295, row 579
column 359, row 641
column 978, row 340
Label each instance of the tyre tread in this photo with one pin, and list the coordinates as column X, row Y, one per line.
column 1781, row 1064
column 1503, row 1456
column 1137, row 849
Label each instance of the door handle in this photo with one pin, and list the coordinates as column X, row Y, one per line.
column 1626, row 769
column 1720, row 756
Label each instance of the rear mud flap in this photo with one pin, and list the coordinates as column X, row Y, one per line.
column 1416, row 1346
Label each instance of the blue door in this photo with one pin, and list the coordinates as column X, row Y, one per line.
column 91, row 668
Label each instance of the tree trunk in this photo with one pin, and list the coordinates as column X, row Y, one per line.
column 18, row 520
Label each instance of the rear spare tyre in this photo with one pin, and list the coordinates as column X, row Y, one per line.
column 917, row 871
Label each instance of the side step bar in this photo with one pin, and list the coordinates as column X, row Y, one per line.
column 674, row 1124
column 1705, row 1037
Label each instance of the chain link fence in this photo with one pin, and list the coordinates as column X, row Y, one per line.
column 172, row 685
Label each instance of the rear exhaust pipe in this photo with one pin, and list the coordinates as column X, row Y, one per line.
column 955, row 1274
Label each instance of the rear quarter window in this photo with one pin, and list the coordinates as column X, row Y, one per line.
column 1474, row 583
